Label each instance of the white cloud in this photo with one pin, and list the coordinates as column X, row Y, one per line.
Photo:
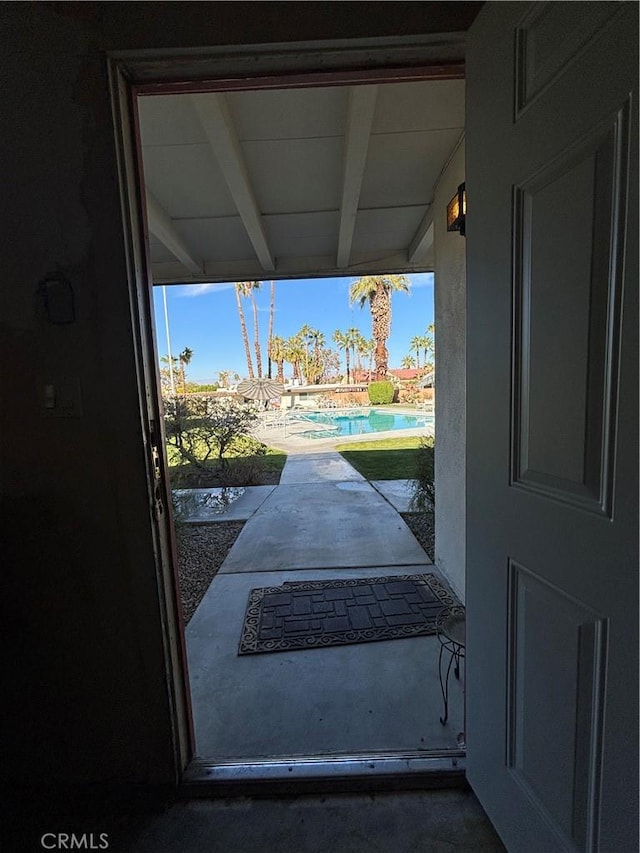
column 422, row 279
column 192, row 290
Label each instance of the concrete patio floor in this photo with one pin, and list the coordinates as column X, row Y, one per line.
column 325, row 466
column 323, row 522
column 397, row 492
column 205, row 506
column 323, row 514
column 323, row 525
column 365, row 697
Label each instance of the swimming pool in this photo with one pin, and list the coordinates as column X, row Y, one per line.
column 362, row 422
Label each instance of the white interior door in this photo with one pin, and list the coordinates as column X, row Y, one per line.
column 552, row 508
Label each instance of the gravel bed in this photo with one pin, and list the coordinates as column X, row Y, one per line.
column 202, row 549
column 422, row 527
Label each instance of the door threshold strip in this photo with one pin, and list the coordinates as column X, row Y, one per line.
column 320, row 774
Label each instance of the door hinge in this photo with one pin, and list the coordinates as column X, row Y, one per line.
column 158, row 496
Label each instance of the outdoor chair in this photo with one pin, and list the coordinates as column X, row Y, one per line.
column 273, row 419
column 325, row 402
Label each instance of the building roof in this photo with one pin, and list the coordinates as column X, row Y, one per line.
column 405, row 372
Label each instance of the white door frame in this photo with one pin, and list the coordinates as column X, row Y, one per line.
column 347, row 62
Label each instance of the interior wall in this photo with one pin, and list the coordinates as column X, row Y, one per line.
column 85, row 698
column 450, row 321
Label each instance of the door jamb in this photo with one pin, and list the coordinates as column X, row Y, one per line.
column 130, row 74
column 151, row 419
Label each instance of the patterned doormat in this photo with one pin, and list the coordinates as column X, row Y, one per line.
column 315, row 614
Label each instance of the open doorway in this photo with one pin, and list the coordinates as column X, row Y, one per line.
column 308, row 688
column 381, row 220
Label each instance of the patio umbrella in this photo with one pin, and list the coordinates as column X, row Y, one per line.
column 260, row 389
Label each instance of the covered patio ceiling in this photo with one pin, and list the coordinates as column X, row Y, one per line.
column 292, row 183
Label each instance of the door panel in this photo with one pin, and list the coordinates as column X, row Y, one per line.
column 552, row 381
column 555, row 665
column 569, row 217
column 548, row 37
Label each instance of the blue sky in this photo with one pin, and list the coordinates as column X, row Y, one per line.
column 204, row 318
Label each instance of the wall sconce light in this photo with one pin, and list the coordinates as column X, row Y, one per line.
column 457, row 211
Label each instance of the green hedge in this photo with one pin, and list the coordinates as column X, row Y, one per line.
column 381, row 392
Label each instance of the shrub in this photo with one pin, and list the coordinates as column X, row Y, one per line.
column 247, row 445
column 409, row 394
column 202, row 427
column 424, row 496
column 381, row 392
column 245, row 471
column 352, row 399
column 194, row 388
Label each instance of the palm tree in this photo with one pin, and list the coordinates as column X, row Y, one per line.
column 242, row 289
column 354, row 338
column 167, row 373
column 184, row 358
column 342, row 341
column 317, row 338
column 318, row 344
column 362, row 350
column 305, row 336
column 277, row 353
column 313, row 369
column 377, row 290
column 294, row 353
column 408, row 361
column 223, row 377
column 415, row 345
column 272, row 308
column 253, row 286
column 428, row 342
column 368, row 349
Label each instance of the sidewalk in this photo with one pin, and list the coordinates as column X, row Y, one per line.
column 324, row 515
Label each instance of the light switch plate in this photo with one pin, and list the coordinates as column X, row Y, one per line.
column 61, row 397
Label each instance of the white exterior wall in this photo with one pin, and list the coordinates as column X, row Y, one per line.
column 450, row 320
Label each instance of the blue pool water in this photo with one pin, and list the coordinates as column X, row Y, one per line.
column 362, row 422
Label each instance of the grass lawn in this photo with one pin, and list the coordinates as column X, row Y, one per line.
column 385, row 459
column 240, row 471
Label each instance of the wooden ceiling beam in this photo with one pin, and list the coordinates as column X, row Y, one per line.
column 422, row 240
column 362, row 105
column 217, row 123
column 163, row 228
